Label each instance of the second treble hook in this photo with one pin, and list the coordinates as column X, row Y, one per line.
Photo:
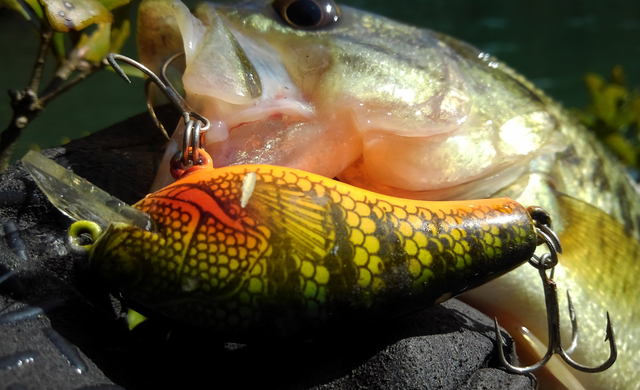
column 544, row 263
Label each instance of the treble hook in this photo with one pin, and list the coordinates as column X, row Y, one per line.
column 193, row 140
column 543, row 263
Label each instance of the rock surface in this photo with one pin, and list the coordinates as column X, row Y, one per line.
column 449, row 346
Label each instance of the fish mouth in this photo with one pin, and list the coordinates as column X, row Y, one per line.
column 261, row 116
column 343, row 104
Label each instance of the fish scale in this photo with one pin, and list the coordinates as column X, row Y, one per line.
column 304, row 253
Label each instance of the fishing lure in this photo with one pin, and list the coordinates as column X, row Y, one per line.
column 262, row 251
column 279, row 252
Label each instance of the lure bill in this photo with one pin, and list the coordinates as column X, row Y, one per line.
column 79, row 199
column 263, row 251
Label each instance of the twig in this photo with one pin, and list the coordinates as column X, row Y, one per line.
column 45, row 37
column 64, row 88
column 27, row 105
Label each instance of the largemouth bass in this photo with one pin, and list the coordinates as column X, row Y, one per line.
column 413, row 113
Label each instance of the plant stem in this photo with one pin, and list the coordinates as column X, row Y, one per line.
column 44, row 100
column 45, row 37
column 26, row 105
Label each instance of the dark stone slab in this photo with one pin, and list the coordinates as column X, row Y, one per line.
column 449, row 346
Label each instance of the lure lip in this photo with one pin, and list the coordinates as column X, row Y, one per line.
column 78, row 199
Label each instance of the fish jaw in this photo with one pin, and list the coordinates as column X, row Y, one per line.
column 270, row 124
column 399, row 99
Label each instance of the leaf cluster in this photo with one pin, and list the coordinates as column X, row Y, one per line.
column 80, row 34
column 110, row 32
column 613, row 114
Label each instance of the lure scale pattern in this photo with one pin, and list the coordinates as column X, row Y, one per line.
column 304, row 252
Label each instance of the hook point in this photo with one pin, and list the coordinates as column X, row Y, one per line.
column 609, row 335
column 112, row 61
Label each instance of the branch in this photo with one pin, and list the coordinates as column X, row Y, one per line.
column 25, row 104
column 26, row 107
column 44, row 100
column 45, row 37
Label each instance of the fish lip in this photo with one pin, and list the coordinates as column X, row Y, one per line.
column 280, row 108
column 279, row 93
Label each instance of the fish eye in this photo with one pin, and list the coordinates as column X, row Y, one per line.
column 307, row 14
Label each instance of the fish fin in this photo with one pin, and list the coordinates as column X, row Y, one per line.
column 308, row 222
column 590, row 233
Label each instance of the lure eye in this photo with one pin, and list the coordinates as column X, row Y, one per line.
column 77, row 239
column 307, row 14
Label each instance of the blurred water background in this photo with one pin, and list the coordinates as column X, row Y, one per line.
column 552, row 43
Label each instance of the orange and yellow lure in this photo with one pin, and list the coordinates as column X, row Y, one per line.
column 264, row 251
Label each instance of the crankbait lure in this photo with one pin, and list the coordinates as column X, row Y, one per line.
column 275, row 251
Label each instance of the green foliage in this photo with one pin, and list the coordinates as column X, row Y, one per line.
column 27, row 8
column 614, row 115
column 61, row 22
column 113, row 4
column 76, row 15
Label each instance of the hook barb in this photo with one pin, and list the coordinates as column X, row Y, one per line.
column 613, row 354
column 511, row 367
column 574, row 325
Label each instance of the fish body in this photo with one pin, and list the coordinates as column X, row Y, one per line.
column 265, row 252
column 416, row 114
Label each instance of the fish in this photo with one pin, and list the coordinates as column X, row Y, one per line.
column 416, row 114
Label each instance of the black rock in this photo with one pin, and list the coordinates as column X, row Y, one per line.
column 50, row 306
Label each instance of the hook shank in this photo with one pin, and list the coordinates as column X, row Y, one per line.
column 164, row 85
column 192, row 141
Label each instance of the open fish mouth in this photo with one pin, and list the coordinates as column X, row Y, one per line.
column 395, row 109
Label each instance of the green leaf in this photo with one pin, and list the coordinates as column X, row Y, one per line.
column 607, row 100
column 622, row 148
column 26, row 7
column 58, row 47
column 65, row 15
column 134, row 318
column 112, row 4
column 36, row 7
column 98, row 44
column 119, row 36
column 627, row 113
column 594, row 82
column 618, row 76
